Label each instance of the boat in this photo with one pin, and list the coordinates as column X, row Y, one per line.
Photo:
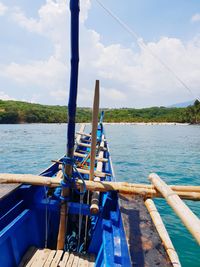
column 75, row 213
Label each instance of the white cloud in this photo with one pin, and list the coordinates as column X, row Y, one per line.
column 85, row 6
column 195, row 17
column 3, row 9
column 128, row 78
column 47, row 74
column 4, row 96
column 59, row 95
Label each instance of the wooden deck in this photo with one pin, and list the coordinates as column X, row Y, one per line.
column 6, row 189
column 55, row 258
column 145, row 245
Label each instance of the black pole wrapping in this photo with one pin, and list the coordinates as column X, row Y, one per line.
column 74, row 7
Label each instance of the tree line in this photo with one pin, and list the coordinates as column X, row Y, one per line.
column 23, row 112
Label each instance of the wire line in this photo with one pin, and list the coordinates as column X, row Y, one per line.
column 141, row 44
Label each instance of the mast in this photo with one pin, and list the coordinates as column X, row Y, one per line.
column 74, row 8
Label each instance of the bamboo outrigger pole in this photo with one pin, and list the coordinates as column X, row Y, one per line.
column 190, row 220
column 74, row 7
column 160, row 227
column 121, row 187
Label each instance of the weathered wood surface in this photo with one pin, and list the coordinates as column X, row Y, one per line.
column 145, row 246
column 6, row 189
column 94, row 130
column 55, row 258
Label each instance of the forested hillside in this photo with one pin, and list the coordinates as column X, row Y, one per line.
column 22, row 112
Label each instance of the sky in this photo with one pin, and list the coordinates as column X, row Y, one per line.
column 35, row 52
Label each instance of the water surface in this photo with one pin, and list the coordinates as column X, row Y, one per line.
column 172, row 151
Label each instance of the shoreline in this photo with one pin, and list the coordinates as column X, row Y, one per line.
column 146, row 123
column 106, row 123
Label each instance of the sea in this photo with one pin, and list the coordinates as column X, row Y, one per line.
column 171, row 151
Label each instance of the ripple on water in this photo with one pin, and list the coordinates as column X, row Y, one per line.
column 137, row 150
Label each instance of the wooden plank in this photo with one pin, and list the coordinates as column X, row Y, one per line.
column 31, row 261
column 145, row 246
column 41, row 257
column 56, row 258
column 64, row 260
column 70, row 260
column 27, row 257
column 50, row 258
column 7, row 189
column 91, row 260
column 83, row 261
column 76, row 260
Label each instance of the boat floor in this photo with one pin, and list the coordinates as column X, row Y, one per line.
column 6, row 189
column 55, row 258
column 145, row 246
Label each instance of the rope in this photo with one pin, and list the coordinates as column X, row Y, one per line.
column 71, row 181
column 141, row 44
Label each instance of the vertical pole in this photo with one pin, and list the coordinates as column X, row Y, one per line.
column 94, row 130
column 74, row 8
column 95, row 113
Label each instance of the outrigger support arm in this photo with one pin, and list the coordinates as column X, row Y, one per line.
column 145, row 190
column 74, row 8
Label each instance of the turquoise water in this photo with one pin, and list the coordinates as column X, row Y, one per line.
column 172, row 151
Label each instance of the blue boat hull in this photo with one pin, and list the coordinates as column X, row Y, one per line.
column 29, row 218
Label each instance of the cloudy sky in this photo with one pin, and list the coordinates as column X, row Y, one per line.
column 34, row 51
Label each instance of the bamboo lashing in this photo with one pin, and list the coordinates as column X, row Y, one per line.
column 160, row 227
column 189, row 219
column 64, row 207
column 122, row 187
column 94, row 207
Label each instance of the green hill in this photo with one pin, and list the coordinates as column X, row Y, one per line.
column 23, row 112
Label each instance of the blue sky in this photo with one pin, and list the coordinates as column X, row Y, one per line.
column 150, row 18
column 34, row 51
